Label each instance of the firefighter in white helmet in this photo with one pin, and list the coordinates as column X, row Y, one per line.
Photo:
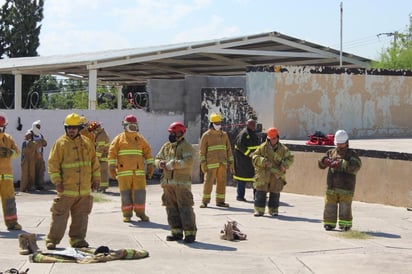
column 74, row 169
column 215, row 159
column 128, row 153
column 8, row 151
column 175, row 158
column 343, row 164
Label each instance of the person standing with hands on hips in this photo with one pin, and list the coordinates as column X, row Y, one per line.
column 343, row 164
column 175, row 158
column 270, row 160
column 75, row 171
column 215, row 158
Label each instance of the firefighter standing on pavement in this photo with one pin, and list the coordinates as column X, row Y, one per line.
column 8, row 151
column 175, row 158
column 215, row 158
column 32, row 161
column 343, row 164
column 102, row 143
column 128, row 153
column 270, row 160
column 246, row 143
column 74, row 169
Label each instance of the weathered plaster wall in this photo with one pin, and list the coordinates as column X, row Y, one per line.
column 301, row 100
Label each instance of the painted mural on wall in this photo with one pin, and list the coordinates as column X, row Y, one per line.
column 231, row 103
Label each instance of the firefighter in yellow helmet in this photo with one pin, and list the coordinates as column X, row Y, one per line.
column 102, row 143
column 85, row 128
column 128, row 153
column 175, row 158
column 8, row 151
column 215, row 158
column 271, row 159
column 74, row 169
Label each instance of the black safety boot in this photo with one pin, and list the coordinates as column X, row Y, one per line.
column 174, row 237
column 190, row 239
column 328, row 227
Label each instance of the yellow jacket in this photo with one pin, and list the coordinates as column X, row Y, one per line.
column 215, row 149
column 6, row 168
column 85, row 132
column 102, row 142
column 128, row 153
column 73, row 162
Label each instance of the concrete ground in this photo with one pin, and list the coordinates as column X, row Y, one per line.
column 293, row 242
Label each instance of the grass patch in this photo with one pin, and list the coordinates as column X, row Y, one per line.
column 99, row 198
column 354, row 234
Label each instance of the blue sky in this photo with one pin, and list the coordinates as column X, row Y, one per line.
column 78, row 26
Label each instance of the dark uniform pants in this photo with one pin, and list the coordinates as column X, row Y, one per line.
column 178, row 201
column 338, row 201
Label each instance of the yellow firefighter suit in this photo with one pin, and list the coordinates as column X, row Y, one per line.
column 72, row 163
column 176, row 183
column 128, row 153
column 6, row 180
column 102, row 142
column 215, row 158
column 90, row 135
column 32, row 162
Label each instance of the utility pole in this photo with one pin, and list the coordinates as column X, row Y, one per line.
column 341, row 33
column 394, row 34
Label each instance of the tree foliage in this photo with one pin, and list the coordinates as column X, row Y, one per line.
column 19, row 37
column 399, row 54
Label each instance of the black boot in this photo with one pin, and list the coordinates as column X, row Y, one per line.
column 174, row 237
column 190, row 239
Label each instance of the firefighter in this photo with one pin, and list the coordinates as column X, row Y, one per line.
column 74, row 169
column 84, row 130
column 175, row 158
column 8, row 151
column 32, row 161
column 246, row 142
column 270, row 160
column 102, row 143
column 128, row 153
column 343, row 164
column 215, row 158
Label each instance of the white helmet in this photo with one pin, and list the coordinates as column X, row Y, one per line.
column 341, row 137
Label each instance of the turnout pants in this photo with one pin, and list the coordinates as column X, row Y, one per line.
column 338, row 202
column 133, row 194
column 219, row 176
column 8, row 201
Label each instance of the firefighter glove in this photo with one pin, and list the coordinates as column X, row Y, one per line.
column 150, row 171
column 170, row 165
column 336, row 164
column 267, row 163
column 5, row 152
column 203, row 167
column 232, row 169
column 326, row 161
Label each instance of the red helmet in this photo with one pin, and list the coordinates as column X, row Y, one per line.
column 272, row 133
column 3, row 121
column 130, row 119
column 93, row 125
column 177, row 126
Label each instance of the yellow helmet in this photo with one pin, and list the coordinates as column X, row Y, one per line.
column 215, row 118
column 72, row 119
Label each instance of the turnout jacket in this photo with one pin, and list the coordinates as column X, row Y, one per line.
column 73, row 162
column 128, row 153
column 6, row 168
column 246, row 143
column 343, row 177
column 180, row 155
column 215, row 149
column 278, row 156
column 102, row 143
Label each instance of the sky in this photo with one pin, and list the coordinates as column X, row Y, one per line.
column 81, row 26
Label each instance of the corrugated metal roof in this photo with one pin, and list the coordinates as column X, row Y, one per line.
column 222, row 57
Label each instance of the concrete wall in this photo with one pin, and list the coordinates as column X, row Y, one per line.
column 383, row 181
column 301, row 100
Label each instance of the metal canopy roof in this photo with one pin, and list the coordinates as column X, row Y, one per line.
column 222, row 57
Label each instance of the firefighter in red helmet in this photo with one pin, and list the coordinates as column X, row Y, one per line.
column 8, row 151
column 129, row 152
column 270, row 160
column 175, row 158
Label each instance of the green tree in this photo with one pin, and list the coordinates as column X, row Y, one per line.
column 20, row 29
column 399, row 54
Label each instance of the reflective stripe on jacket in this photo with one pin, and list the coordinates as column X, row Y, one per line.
column 128, row 152
column 6, row 168
column 215, row 149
